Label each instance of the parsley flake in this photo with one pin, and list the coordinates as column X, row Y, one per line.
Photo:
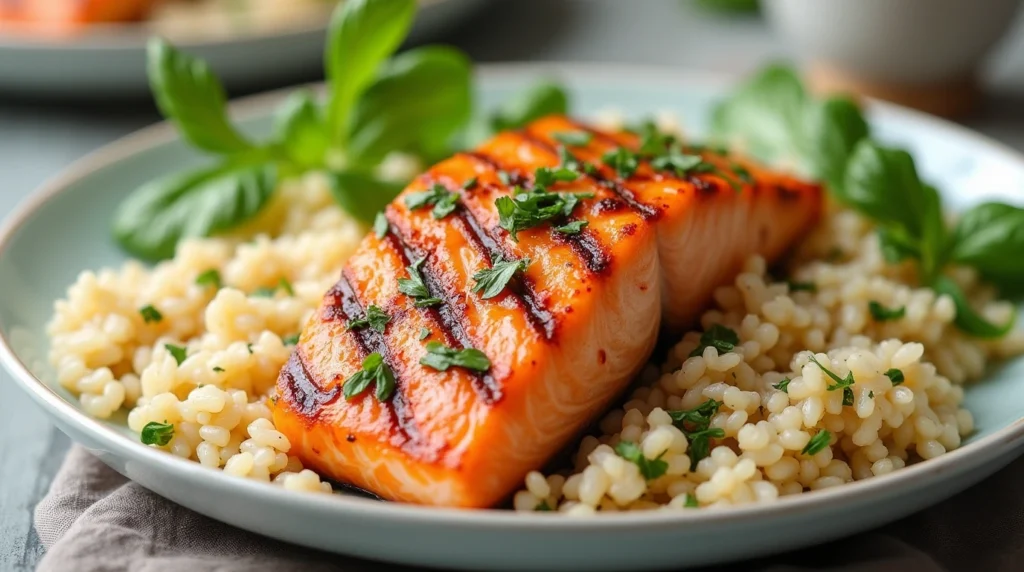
column 442, row 357
column 218, row 369
column 470, row 184
column 696, row 425
column 443, row 200
column 291, row 340
column 527, row 209
column 624, row 161
column 177, row 352
column 375, row 318
column 574, row 138
column 719, row 337
column 374, row 371
column 543, row 506
column 547, row 176
column 491, row 281
column 649, row 468
column 210, row 277
column 413, row 286
column 844, row 383
column 691, row 501
column 159, row 434
column 572, row 227
column 380, row 225
column 424, row 333
column 802, row 287
column 150, row 314
column 817, row 443
column 678, row 163
column 783, row 385
column 895, row 376
column 881, row 314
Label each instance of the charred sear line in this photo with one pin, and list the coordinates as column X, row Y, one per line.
column 786, row 194
column 370, row 341
column 301, row 392
column 449, row 315
column 537, row 313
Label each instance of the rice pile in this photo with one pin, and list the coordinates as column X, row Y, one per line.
column 106, row 353
column 766, row 429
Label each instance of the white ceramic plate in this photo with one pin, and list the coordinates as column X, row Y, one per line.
column 109, row 60
column 64, row 228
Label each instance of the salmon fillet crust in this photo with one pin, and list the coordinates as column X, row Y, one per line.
column 564, row 337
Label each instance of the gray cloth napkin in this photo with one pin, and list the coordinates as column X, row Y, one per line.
column 93, row 519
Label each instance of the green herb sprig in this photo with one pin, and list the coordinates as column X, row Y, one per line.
column 374, row 371
column 649, row 468
column 719, row 337
column 696, row 425
column 442, row 357
column 492, row 281
column 155, row 433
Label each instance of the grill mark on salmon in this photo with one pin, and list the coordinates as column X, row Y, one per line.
column 369, row 341
column 448, row 315
column 539, row 316
column 593, row 254
column 300, row 389
column 616, row 185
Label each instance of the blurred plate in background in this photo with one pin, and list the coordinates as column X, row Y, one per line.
column 104, row 60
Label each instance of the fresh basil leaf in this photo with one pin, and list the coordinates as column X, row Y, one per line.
column 361, row 194
column 990, row 237
column 882, row 183
column 896, row 245
column 538, row 100
column 300, row 130
column 361, row 35
column 967, row 319
column 155, row 217
column 418, row 101
column 190, row 95
column 934, row 243
column 765, row 113
column 830, row 130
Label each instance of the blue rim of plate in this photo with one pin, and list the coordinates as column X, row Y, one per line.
column 510, row 73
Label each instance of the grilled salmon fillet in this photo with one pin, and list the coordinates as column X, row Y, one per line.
column 564, row 337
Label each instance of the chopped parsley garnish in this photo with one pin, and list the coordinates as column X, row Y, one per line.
column 374, row 371
column 844, row 383
column 159, row 434
column 678, row 163
column 283, row 284
column 783, row 385
column 709, row 148
column 543, row 506
column 817, row 443
column 696, row 425
column 719, row 337
column 895, row 376
column 881, row 314
column 624, row 161
column 871, row 394
column 249, row 347
column 413, row 286
column 424, row 333
column 380, row 225
column 443, row 200
column 218, row 369
column 527, row 209
column 290, row 340
column 572, row 227
column 491, row 281
column 375, row 318
column 652, row 141
column 150, row 314
column 504, row 177
column 470, row 184
column 691, row 501
column 442, row 357
column 210, row 277
column 574, row 138
column 802, row 286
column 649, row 468
column 177, row 352
column 547, row 176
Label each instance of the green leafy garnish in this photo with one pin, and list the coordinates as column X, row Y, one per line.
column 802, row 287
column 443, row 200
column 844, row 383
column 414, row 286
column 895, row 376
column 967, row 319
column 269, row 292
column 470, row 184
column 783, row 385
column 543, row 506
column 150, row 314
column 442, row 357
column 210, row 277
column 380, row 225
column 572, row 227
column 649, row 468
column 990, row 237
column 424, row 333
column 691, row 501
column 155, row 433
column 290, row 340
column 624, row 161
column 678, row 163
column 374, row 371
column 375, row 319
column 817, row 443
column 574, row 138
column 177, row 352
column 547, row 176
column 527, row 209
column 491, row 281
column 719, row 337
column 696, row 425
column 218, row 369
column 881, row 314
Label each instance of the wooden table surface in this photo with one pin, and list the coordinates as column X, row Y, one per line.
column 38, row 139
